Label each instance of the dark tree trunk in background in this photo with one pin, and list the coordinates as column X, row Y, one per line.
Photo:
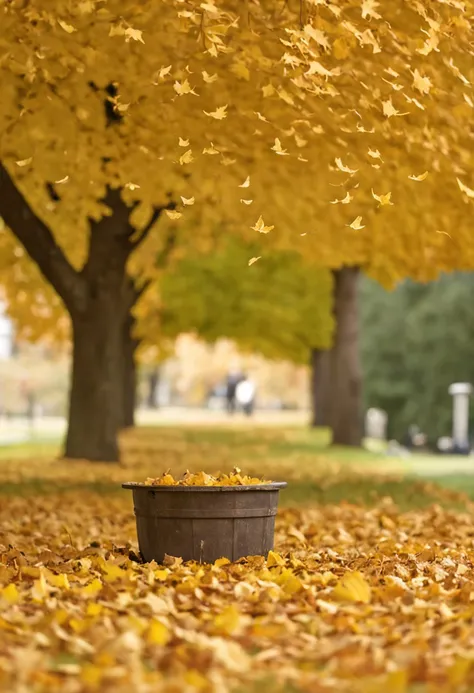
column 99, row 299
column 153, row 383
column 130, row 344
column 320, row 365
column 344, row 372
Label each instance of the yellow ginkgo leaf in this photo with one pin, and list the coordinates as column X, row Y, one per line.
column 389, row 109
column 219, row 114
column 229, row 620
column 383, row 199
column 345, row 200
column 173, row 214
column 183, row 143
column 187, row 200
column 68, row 28
column 158, row 633
column 356, row 224
column 274, row 559
column 246, row 202
column 468, row 191
column 260, row 226
column 183, row 87
column 261, row 117
column 210, row 150
column 24, row 162
column 421, row 177
column 164, row 71
column 246, row 183
column 421, row 83
column 277, row 148
column 375, row 154
column 134, row 34
column 344, row 168
column 208, row 78
column 186, row 158
column 352, row 588
column 10, row 594
column 253, row 260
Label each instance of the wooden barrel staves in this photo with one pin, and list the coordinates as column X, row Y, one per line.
column 204, row 523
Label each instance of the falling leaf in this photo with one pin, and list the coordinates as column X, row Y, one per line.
column 375, row 154
column 421, row 83
column 468, row 191
column 277, row 148
column 246, row 202
column 24, row 162
column 134, row 34
column 186, row 158
column 246, row 183
column 132, row 186
column 344, row 201
column 210, row 150
column 261, row 117
column 421, row 177
column 260, row 226
column 356, row 224
column 345, row 169
column 173, row 214
column 352, row 587
column 383, row 199
column 61, row 180
column 182, row 88
column 253, row 260
column 369, row 9
column 268, row 90
column 183, row 143
column 389, row 109
column 208, row 78
column 68, row 28
column 187, row 200
column 164, row 71
column 219, row 114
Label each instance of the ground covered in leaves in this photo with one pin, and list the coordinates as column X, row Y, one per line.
column 354, row 597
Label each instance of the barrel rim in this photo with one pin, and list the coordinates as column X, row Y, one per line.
column 270, row 486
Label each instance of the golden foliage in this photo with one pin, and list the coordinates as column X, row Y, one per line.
column 293, row 98
column 235, row 478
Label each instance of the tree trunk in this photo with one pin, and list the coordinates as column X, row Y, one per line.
column 99, row 299
column 130, row 345
column 96, row 405
column 320, row 365
column 345, row 373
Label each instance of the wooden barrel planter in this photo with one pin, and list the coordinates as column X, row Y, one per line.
column 204, row 523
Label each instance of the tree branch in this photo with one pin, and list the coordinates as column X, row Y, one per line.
column 144, row 233
column 39, row 242
column 165, row 252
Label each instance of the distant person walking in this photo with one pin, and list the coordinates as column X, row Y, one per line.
column 233, row 379
column 245, row 395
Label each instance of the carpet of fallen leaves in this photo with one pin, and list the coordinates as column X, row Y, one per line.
column 351, row 599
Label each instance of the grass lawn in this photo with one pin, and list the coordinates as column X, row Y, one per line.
column 315, row 472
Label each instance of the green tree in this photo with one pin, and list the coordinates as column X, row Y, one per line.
column 279, row 306
column 416, row 341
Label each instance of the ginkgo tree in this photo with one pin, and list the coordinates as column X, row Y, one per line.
column 120, row 122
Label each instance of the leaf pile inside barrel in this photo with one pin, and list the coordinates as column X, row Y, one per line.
column 236, row 478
